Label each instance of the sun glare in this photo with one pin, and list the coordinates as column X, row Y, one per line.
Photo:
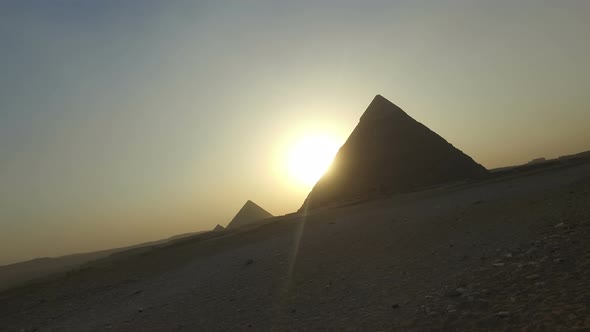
column 310, row 157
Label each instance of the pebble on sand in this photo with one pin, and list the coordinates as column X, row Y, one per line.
column 503, row 314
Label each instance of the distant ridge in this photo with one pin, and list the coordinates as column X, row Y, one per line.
column 248, row 214
column 22, row 272
column 389, row 152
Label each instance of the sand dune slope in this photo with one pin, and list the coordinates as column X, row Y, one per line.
column 501, row 255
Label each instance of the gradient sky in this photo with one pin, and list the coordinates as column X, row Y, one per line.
column 128, row 121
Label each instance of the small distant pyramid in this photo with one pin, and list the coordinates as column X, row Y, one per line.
column 218, row 228
column 248, row 214
column 389, row 152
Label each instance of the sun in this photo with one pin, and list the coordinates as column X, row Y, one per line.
column 310, row 157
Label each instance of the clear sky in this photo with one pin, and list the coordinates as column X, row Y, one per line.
column 128, row 121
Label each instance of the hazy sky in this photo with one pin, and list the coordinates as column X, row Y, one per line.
column 127, row 121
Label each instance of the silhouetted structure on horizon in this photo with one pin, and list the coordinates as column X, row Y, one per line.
column 389, row 152
column 248, row 214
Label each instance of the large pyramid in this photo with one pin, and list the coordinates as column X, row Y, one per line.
column 389, row 152
column 248, row 214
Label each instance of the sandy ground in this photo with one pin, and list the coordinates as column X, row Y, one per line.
column 508, row 254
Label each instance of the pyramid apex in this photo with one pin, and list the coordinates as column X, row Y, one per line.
column 249, row 213
column 381, row 107
column 380, row 98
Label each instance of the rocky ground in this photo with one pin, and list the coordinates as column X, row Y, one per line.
column 538, row 285
column 509, row 254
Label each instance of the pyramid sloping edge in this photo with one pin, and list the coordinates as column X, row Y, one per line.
column 249, row 213
column 368, row 163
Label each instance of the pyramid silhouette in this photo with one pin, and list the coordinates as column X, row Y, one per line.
column 389, row 152
column 218, row 228
column 248, row 214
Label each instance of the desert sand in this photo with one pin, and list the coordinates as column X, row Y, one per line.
column 508, row 253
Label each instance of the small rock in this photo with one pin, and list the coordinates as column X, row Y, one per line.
column 561, row 224
column 508, row 255
column 558, row 260
column 453, row 293
column 539, row 283
column 293, row 311
column 498, row 264
column 249, row 262
column 503, row 314
column 544, row 258
column 532, row 276
column 395, row 306
column 451, row 308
